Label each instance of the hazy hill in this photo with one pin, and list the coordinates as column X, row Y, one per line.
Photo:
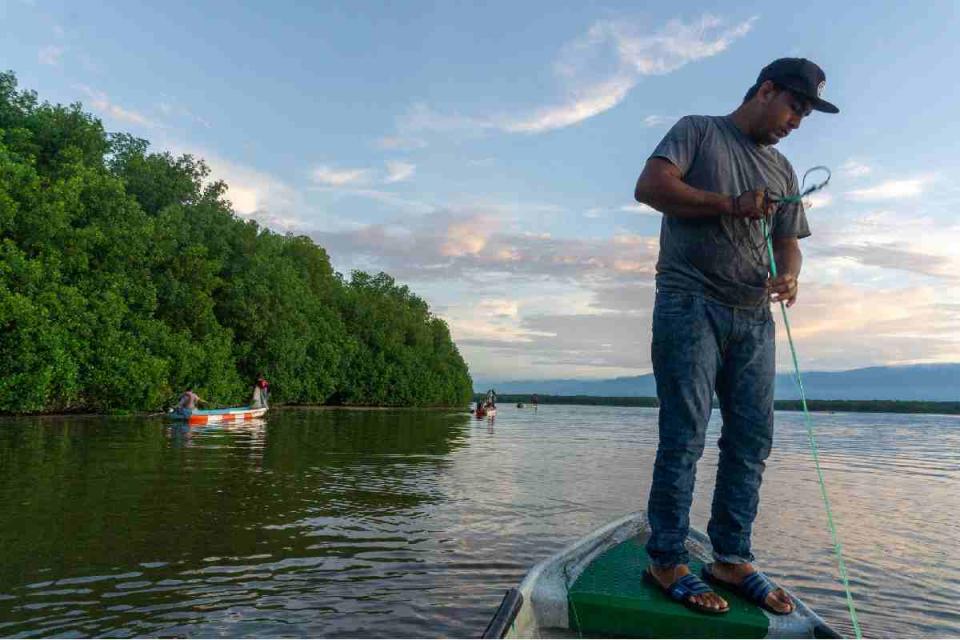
column 934, row 382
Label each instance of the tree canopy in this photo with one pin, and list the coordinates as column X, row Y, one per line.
column 125, row 276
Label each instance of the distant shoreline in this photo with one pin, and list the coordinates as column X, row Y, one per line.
column 852, row 406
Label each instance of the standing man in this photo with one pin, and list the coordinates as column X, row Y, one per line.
column 261, row 392
column 713, row 178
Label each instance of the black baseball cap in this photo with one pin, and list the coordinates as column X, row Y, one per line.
column 800, row 76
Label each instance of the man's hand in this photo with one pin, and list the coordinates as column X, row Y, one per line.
column 783, row 289
column 754, row 204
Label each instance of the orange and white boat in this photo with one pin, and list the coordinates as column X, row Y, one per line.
column 214, row 416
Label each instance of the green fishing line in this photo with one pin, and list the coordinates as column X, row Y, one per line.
column 837, row 547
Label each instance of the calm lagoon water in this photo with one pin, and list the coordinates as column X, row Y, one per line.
column 404, row 523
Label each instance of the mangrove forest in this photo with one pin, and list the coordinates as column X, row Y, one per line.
column 126, row 276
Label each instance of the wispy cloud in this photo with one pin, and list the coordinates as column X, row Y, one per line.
column 626, row 53
column 389, row 198
column 597, row 71
column 659, row 121
column 895, row 255
column 421, row 117
column 639, row 207
column 399, row 171
column 586, row 103
column 400, row 143
column 50, row 54
column 168, row 108
column 634, row 208
column 331, row 176
column 357, row 179
column 101, row 102
column 855, row 169
column 891, row 190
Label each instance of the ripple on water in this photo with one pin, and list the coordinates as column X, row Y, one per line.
column 412, row 524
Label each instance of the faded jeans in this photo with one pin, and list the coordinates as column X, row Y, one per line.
column 701, row 346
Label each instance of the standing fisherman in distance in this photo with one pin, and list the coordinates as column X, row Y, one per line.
column 713, row 177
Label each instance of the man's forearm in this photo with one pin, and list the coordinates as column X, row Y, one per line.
column 789, row 258
column 677, row 198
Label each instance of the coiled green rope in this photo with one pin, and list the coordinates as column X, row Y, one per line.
column 837, row 547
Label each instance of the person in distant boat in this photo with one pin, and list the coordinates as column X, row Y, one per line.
column 188, row 401
column 261, row 393
column 713, row 178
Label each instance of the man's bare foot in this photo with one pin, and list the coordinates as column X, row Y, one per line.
column 666, row 576
column 733, row 574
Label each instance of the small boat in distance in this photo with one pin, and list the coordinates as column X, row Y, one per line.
column 213, row 416
column 595, row 589
column 485, row 411
column 520, row 405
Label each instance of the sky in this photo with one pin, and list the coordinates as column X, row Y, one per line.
column 485, row 154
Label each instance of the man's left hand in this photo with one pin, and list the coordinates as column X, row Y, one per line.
column 783, row 289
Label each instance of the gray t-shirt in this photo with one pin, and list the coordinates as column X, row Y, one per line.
column 723, row 258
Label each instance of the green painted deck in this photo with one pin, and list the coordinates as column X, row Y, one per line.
column 610, row 598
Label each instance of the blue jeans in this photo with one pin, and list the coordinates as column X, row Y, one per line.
column 701, row 346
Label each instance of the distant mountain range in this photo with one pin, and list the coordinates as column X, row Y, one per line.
column 932, row 382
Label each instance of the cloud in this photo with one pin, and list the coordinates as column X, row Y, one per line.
column 639, row 207
column 836, row 324
column 891, row 190
column 855, row 169
column 635, row 298
column 569, row 345
column 468, row 237
column 327, row 175
column 50, row 54
column 817, row 200
column 175, row 110
column 476, row 245
column 102, row 103
column 499, row 308
column 385, row 197
column 399, row 143
column 886, row 243
column 676, row 45
column 659, row 121
column 635, row 208
column 581, row 306
column 343, row 179
column 895, row 255
column 254, row 194
column 598, row 70
column 588, row 102
column 420, row 117
column 399, row 171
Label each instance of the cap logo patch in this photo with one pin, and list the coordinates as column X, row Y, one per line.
column 820, row 87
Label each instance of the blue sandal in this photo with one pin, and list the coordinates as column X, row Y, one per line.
column 755, row 588
column 683, row 589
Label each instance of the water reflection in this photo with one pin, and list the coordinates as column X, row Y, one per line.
column 405, row 523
